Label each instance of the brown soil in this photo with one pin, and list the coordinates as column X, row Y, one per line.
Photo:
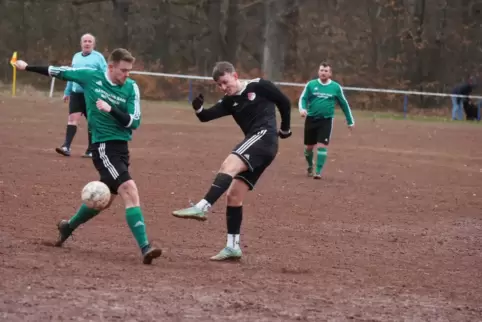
column 393, row 232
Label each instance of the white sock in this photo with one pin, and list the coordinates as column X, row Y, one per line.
column 233, row 241
column 203, row 205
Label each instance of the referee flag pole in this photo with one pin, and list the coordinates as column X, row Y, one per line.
column 12, row 62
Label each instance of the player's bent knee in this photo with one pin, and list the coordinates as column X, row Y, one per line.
column 129, row 193
column 233, row 165
column 74, row 118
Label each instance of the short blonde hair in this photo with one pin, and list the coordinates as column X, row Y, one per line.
column 121, row 54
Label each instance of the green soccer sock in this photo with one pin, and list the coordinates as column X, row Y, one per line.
column 83, row 215
column 309, row 157
column 135, row 220
column 321, row 154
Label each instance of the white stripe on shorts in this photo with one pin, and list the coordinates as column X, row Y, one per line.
column 105, row 159
column 252, row 140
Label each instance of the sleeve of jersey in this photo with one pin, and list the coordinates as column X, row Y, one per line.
column 134, row 109
column 345, row 107
column 77, row 75
column 218, row 110
column 303, row 101
column 273, row 93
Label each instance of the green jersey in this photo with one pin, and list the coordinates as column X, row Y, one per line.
column 319, row 99
column 96, row 85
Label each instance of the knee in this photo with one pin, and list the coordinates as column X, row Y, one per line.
column 232, row 166
column 309, row 147
column 74, row 118
column 320, row 146
column 129, row 193
column 234, row 198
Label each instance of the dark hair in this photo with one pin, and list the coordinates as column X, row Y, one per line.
column 121, row 54
column 222, row 68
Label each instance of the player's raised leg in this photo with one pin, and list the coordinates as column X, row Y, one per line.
column 231, row 166
column 83, row 215
column 234, row 217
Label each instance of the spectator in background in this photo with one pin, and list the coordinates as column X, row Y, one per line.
column 457, row 102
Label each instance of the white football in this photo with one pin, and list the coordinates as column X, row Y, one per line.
column 96, row 195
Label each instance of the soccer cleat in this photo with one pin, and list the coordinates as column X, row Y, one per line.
column 309, row 172
column 64, row 232
column 317, row 176
column 65, row 151
column 150, row 254
column 228, row 253
column 190, row 213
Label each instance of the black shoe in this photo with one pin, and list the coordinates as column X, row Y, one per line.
column 64, row 232
column 149, row 254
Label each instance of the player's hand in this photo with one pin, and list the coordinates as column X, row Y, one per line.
column 103, row 106
column 284, row 134
column 303, row 113
column 198, row 102
column 350, row 128
column 66, row 98
column 20, row 65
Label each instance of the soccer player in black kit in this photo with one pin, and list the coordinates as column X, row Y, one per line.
column 252, row 105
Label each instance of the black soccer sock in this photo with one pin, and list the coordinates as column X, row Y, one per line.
column 69, row 135
column 220, row 185
column 234, row 217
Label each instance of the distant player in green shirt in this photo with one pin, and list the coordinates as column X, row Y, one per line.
column 113, row 111
column 317, row 104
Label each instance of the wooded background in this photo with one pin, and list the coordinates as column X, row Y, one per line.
column 425, row 45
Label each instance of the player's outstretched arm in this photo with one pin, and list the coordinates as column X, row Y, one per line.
column 212, row 113
column 81, row 76
column 22, row 65
column 345, row 107
column 274, row 94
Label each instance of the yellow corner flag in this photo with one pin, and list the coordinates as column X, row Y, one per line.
column 13, row 60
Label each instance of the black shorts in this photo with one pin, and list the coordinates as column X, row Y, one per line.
column 111, row 159
column 77, row 103
column 318, row 130
column 257, row 151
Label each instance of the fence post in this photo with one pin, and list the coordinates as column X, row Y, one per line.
column 190, row 91
column 405, row 106
column 52, row 87
column 478, row 110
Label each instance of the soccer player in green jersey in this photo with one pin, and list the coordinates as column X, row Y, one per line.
column 317, row 104
column 113, row 111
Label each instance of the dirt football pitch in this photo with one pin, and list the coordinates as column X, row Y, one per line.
column 393, row 231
